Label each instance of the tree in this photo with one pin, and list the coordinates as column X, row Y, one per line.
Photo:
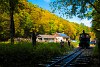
column 4, row 26
column 96, row 22
column 10, row 5
column 79, row 8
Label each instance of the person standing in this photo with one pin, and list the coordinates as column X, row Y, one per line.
column 68, row 43
column 62, row 44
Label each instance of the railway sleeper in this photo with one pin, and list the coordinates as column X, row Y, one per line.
column 55, row 59
column 41, row 65
column 57, row 65
column 81, row 64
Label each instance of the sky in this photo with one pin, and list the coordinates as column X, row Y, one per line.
column 45, row 5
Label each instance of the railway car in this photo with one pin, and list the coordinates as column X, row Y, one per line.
column 84, row 40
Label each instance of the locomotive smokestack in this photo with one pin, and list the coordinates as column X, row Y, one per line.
column 83, row 31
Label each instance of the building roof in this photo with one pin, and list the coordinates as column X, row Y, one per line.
column 63, row 35
column 53, row 36
column 46, row 36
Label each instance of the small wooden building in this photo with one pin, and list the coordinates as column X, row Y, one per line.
column 57, row 37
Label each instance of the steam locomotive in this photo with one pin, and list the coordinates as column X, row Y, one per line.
column 84, row 40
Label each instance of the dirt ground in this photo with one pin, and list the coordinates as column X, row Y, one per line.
column 95, row 60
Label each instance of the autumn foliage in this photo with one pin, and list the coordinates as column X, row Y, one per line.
column 28, row 16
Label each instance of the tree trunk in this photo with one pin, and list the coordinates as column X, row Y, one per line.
column 12, row 26
column 12, row 29
column 98, row 43
column 33, row 38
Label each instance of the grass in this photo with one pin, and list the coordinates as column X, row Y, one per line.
column 24, row 53
column 96, row 51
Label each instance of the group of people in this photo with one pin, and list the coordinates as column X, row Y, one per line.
column 62, row 43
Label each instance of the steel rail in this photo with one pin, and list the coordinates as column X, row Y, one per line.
column 68, row 58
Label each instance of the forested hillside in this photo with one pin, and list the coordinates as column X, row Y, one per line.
column 30, row 17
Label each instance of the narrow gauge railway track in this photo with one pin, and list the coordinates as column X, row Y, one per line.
column 84, row 60
column 63, row 61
